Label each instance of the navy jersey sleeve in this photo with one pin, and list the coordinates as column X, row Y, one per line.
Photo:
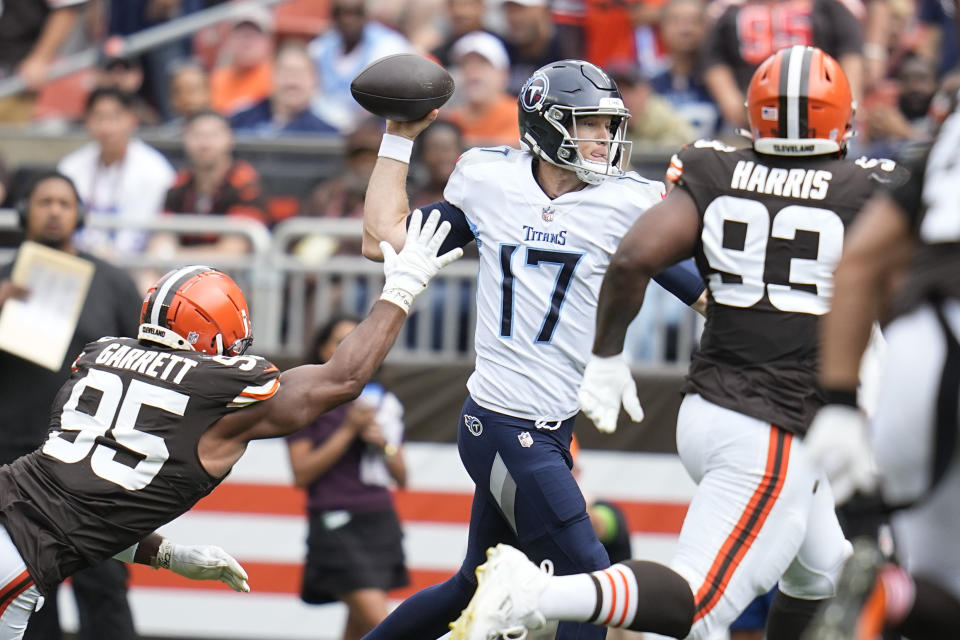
column 682, row 280
column 461, row 231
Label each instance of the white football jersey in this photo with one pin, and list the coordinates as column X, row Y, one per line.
column 541, row 265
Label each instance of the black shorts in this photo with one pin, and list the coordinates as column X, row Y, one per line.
column 364, row 553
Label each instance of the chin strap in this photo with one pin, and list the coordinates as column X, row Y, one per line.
column 164, row 336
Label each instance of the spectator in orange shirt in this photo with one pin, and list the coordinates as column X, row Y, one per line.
column 487, row 114
column 248, row 78
column 213, row 183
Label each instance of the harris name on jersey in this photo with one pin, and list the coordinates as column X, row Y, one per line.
column 806, row 184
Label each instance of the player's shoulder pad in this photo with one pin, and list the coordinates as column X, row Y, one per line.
column 637, row 183
column 244, row 379
column 486, row 155
column 884, row 171
column 694, row 153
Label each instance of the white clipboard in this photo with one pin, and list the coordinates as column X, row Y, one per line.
column 40, row 328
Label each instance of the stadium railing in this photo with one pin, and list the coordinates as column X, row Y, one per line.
column 308, row 270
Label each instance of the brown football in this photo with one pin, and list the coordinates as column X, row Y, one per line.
column 402, row 87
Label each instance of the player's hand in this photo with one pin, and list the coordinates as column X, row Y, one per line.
column 413, row 128
column 607, row 382
column 203, row 562
column 408, row 272
column 837, row 443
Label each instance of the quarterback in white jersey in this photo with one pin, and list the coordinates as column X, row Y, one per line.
column 547, row 220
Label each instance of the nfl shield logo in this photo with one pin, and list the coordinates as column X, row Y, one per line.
column 526, row 440
column 192, row 337
column 548, row 214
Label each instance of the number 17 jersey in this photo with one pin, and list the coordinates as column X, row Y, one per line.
column 772, row 230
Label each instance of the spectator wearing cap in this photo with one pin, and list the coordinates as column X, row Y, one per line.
column 126, row 74
column 31, row 34
column 287, row 110
column 532, row 40
column 352, row 42
column 116, row 174
column 487, row 114
column 464, row 16
column 652, row 119
column 683, row 27
column 213, row 183
column 246, row 80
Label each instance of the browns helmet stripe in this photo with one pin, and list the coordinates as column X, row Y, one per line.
column 804, row 100
column 166, row 289
column 795, row 92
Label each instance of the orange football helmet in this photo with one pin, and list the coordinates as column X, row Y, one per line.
column 799, row 104
column 197, row 308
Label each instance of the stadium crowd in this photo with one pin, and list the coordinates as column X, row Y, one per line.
column 283, row 72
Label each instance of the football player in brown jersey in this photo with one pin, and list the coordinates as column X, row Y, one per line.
column 766, row 226
column 145, row 428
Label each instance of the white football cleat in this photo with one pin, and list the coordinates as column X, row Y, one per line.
column 506, row 602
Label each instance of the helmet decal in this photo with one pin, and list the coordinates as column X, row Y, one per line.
column 534, row 92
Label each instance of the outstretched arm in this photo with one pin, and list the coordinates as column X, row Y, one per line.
column 197, row 562
column 385, row 206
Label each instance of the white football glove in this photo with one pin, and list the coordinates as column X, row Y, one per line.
column 838, row 443
column 606, row 383
column 202, row 562
column 408, row 272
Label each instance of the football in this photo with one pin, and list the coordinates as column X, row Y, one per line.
column 402, row 87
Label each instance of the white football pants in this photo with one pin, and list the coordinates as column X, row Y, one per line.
column 761, row 514
column 19, row 597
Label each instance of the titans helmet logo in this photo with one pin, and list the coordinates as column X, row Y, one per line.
column 534, row 92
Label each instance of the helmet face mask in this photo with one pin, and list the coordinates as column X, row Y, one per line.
column 197, row 308
column 552, row 102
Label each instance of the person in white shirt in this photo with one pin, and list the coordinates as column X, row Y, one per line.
column 116, row 174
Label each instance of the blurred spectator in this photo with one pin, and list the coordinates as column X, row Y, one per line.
column 532, row 40
column 683, row 27
column 747, row 33
column 342, row 196
column 465, row 16
column 897, row 113
column 653, row 120
column 52, row 213
column 487, row 114
column 213, row 183
column 126, row 74
column 287, row 110
column 31, row 34
column 611, row 33
column 346, row 460
column 939, row 40
column 117, row 174
column 127, row 17
column 189, row 91
column 246, row 78
column 435, row 154
column 4, row 183
column 352, row 42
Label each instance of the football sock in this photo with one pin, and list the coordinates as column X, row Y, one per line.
column 789, row 617
column 638, row 595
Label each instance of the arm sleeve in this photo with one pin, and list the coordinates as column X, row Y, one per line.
column 909, row 193
column 461, row 231
column 682, row 280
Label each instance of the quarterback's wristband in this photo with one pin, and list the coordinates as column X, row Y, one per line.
column 847, row 397
column 396, row 148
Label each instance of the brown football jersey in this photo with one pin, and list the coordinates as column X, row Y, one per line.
column 120, row 458
column 771, row 234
